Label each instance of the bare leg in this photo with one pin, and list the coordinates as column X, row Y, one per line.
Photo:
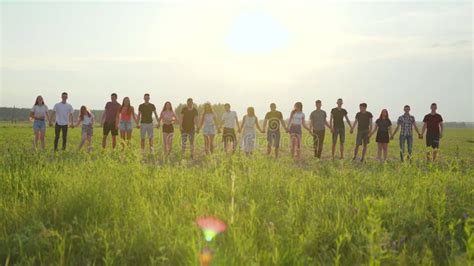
column 43, row 132
column 122, row 136
column 356, row 151
column 276, row 152
column 104, row 141
column 333, row 150
column 364, row 150
column 114, row 141
column 89, row 143
column 342, row 150
column 385, row 151
column 211, row 143
column 379, row 151
column 435, row 154
column 129, row 138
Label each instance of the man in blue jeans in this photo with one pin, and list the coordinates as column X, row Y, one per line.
column 406, row 122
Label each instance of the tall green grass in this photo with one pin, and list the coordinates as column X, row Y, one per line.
column 115, row 208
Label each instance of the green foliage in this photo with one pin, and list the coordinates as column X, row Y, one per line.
column 115, row 208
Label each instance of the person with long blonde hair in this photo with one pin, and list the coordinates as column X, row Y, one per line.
column 209, row 124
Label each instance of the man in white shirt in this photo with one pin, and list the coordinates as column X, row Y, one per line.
column 62, row 112
column 230, row 121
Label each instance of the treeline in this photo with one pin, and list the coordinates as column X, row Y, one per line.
column 13, row 115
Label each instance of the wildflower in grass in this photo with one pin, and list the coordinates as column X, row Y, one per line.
column 211, row 226
column 205, row 257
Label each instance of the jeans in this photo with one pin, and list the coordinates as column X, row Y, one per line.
column 409, row 140
column 57, row 130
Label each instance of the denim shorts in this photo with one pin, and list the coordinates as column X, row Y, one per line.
column 39, row 125
column 126, row 125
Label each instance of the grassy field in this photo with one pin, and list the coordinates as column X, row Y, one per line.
column 115, row 208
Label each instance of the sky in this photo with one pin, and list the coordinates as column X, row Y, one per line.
column 246, row 53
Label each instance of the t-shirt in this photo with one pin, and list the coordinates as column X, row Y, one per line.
column 363, row 120
column 274, row 118
column 383, row 124
column 62, row 113
column 318, row 119
column 188, row 118
column 229, row 119
column 146, row 109
column 111, row 110
column 39, row 111
column 338, row 116
column 297, row 118
column 432, row 123
column 87, row 120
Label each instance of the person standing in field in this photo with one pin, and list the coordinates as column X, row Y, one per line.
column 275, row 120
column 110, row 120
column 62, row 112
column 433, row 123
column 297, row 120
column 383, row 128
column 406, row 122
column 364, row 121
column 249, row 133
column 336, row 121
column 39, row 116
column 209, row 121
column 317, row 127
column 230, row 121
column 168, row 118
column 87, row 119
column 126, row 113
column 188, row 122
column 145, row 122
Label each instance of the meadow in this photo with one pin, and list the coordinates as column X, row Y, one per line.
column 118, row 208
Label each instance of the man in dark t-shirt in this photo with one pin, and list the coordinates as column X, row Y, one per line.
column 188, row 121
column 363, row 121
column 110, row 120
column 433, row 123
column 336, row 121
column 274, row 119
column 145, row 122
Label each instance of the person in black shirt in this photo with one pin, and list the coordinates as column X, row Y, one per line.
column 274, row 119
column 363, row 121
column 336, row 121
column 188, row 122
column 383, row 128
column 433, row 123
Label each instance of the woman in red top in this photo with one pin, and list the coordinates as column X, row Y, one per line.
column 126, row 113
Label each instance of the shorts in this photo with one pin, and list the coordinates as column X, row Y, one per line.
column 273, row 138
column 110, row 127
column 362, row 137
column 185, row 135
column 342, row 135
column 168, row 128
column 229, row 135
column 126, row 125
column 88, row 130
column 39, row 125
column 146, row 128
column 209, row 130
column 295, row 129
column 432, row 140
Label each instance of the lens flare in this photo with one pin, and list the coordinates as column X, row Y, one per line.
column 211, row 226
column 205, row 257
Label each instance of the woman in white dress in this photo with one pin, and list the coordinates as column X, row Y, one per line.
column 249, row 134
column 208, row 123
